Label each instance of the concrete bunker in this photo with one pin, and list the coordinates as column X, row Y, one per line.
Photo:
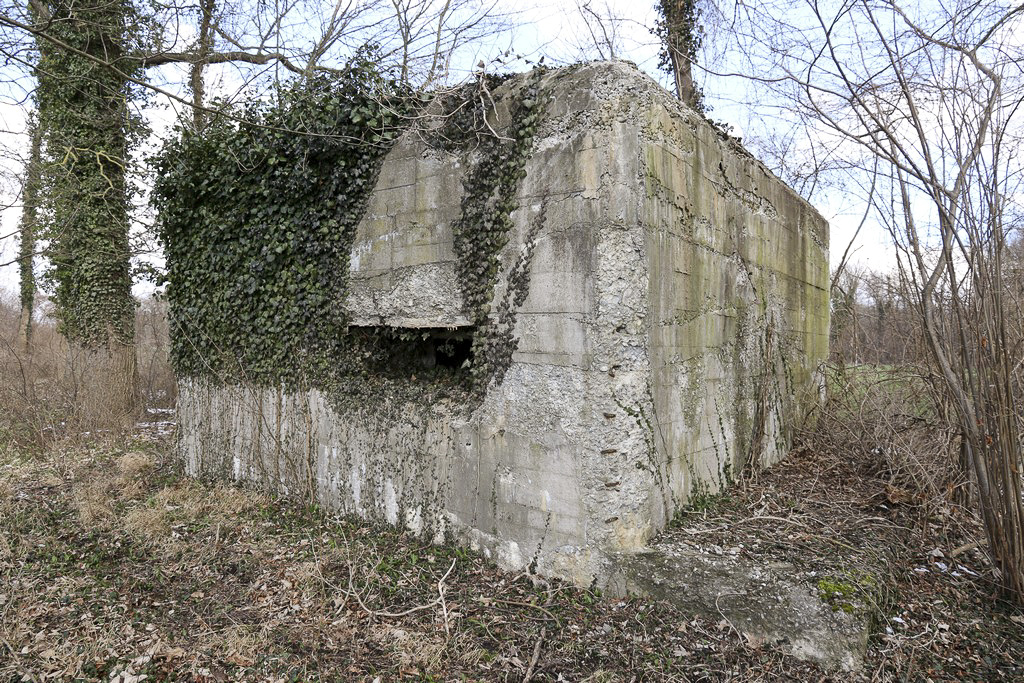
column 664, row 299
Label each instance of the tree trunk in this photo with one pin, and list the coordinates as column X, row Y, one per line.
column 89, row 134
column 205, row 47
column 106, row 382
column 682, row 70
column 28, row 231
column 681, row 32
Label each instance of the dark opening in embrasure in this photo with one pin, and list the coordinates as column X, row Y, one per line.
column 420, row 348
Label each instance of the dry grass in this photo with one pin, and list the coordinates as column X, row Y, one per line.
column 96, row 494
column 94, row 503
column 134, row 465
column 46, row 392
column 891, row 416
column 115, row 566
column 239, row 644
column 186, row 504
column 413, row 649
column 148, row 524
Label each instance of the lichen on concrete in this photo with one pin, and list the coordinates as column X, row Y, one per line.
column 769, row 603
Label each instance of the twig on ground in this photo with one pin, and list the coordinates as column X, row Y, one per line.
column 440, row 596
column 739, row 635
column 540, row 642
column 536, row 655
column 695, row 532
column 516, row 603
column 966, row 547
column 352, row 592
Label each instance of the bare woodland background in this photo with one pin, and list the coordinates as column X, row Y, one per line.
column 911, row 112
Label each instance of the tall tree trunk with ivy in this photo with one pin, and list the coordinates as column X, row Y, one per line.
column 88, row 133
column 681, row 34
column 27, row 232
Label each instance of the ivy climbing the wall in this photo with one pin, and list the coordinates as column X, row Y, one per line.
column 258, row 220
column 485, row 222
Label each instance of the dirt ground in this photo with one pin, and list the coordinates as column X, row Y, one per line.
column 913, row 564
column 114, row 567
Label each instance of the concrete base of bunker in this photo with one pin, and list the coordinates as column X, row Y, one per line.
column 766, row 603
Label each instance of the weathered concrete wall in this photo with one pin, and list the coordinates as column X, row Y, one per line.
column 676, row 314
column 739, row 312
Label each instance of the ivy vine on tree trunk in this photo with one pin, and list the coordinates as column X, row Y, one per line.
column 27, row 231
column 681, row 35
column 88, row 132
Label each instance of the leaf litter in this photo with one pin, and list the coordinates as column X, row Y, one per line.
column 115, row 567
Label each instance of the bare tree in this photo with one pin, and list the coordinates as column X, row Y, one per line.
column 602, row 25
column 28, row 234
column 930, row 99
column 99, row 67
